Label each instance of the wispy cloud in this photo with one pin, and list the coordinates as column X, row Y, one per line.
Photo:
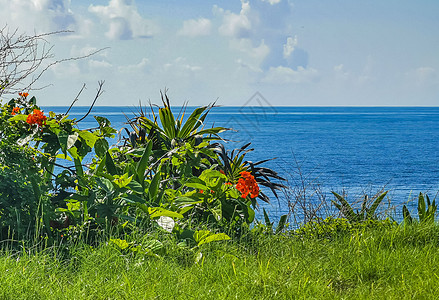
column 194, row 28
column 123, row 20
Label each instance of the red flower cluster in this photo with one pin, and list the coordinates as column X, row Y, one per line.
column 247, row 185
column 15, row 110
column 37, row 117
column 24, row 95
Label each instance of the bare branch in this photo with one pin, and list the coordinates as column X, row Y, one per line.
column 76, row 99
column 98, row 94
column 25, row 58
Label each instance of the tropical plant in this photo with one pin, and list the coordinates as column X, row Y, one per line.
column 233, row 163
column 426, row 211
column 168, row 131
column 366, row 213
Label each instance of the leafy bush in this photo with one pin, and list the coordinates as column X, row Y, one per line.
column 167, row 171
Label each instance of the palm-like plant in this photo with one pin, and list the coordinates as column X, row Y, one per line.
column 168, row 131
column 233, row 163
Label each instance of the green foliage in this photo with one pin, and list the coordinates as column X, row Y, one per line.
column 167, row 174
column 426, row 211
column 333, row 227
column 366, row 213
column 20, row 205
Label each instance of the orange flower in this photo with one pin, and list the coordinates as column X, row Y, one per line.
column 228, row 183
column 15, row 110
column 37, row 117
column 247, row 185
column 222, row 172
column 24, row 95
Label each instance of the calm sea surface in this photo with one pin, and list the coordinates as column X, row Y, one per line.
column 352, row 149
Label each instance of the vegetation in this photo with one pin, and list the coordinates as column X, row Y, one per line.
column 170, row 213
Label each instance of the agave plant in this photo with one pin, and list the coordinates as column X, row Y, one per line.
column 426, row 213
column 366, row 213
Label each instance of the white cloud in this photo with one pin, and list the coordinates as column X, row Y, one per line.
column 123, row 20
column 272, row 2
column 284, row 75
column 38, row 16
column 99, row 64
column 180, row 67
column 66, row 70
column 245, row 46
column 141, row 66
column 289, row 46
column 180, row 63
column 236, row 25
column 194, row 28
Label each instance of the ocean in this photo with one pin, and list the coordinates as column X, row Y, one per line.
column 351, row 150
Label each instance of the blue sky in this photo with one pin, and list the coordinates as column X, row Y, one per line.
column 298, row 53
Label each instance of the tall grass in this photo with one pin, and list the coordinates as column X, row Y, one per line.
column 401, row 262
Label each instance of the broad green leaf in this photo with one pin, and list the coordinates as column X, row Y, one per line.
column 135, row 187
column 89, row 138
column 205, row 236
column 109, row 164
column 101, row 147
column 73, row 153
column 214, row 237
column 201, row 234
column 18, row 118
column 143, row 162
column 122, row 181
column 62, row 139
column 155, row 212
column 196, row 185
column 103, row 122
column 105, row 184
column 78, row 167
column 186, row 201
column 154, row 186
column 132, row 199
column 251, row 213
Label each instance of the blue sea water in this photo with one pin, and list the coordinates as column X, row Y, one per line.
column 353, row 149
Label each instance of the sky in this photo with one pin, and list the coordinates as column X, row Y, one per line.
column 286, row 52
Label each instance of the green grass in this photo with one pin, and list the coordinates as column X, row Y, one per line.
column 370, row 264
